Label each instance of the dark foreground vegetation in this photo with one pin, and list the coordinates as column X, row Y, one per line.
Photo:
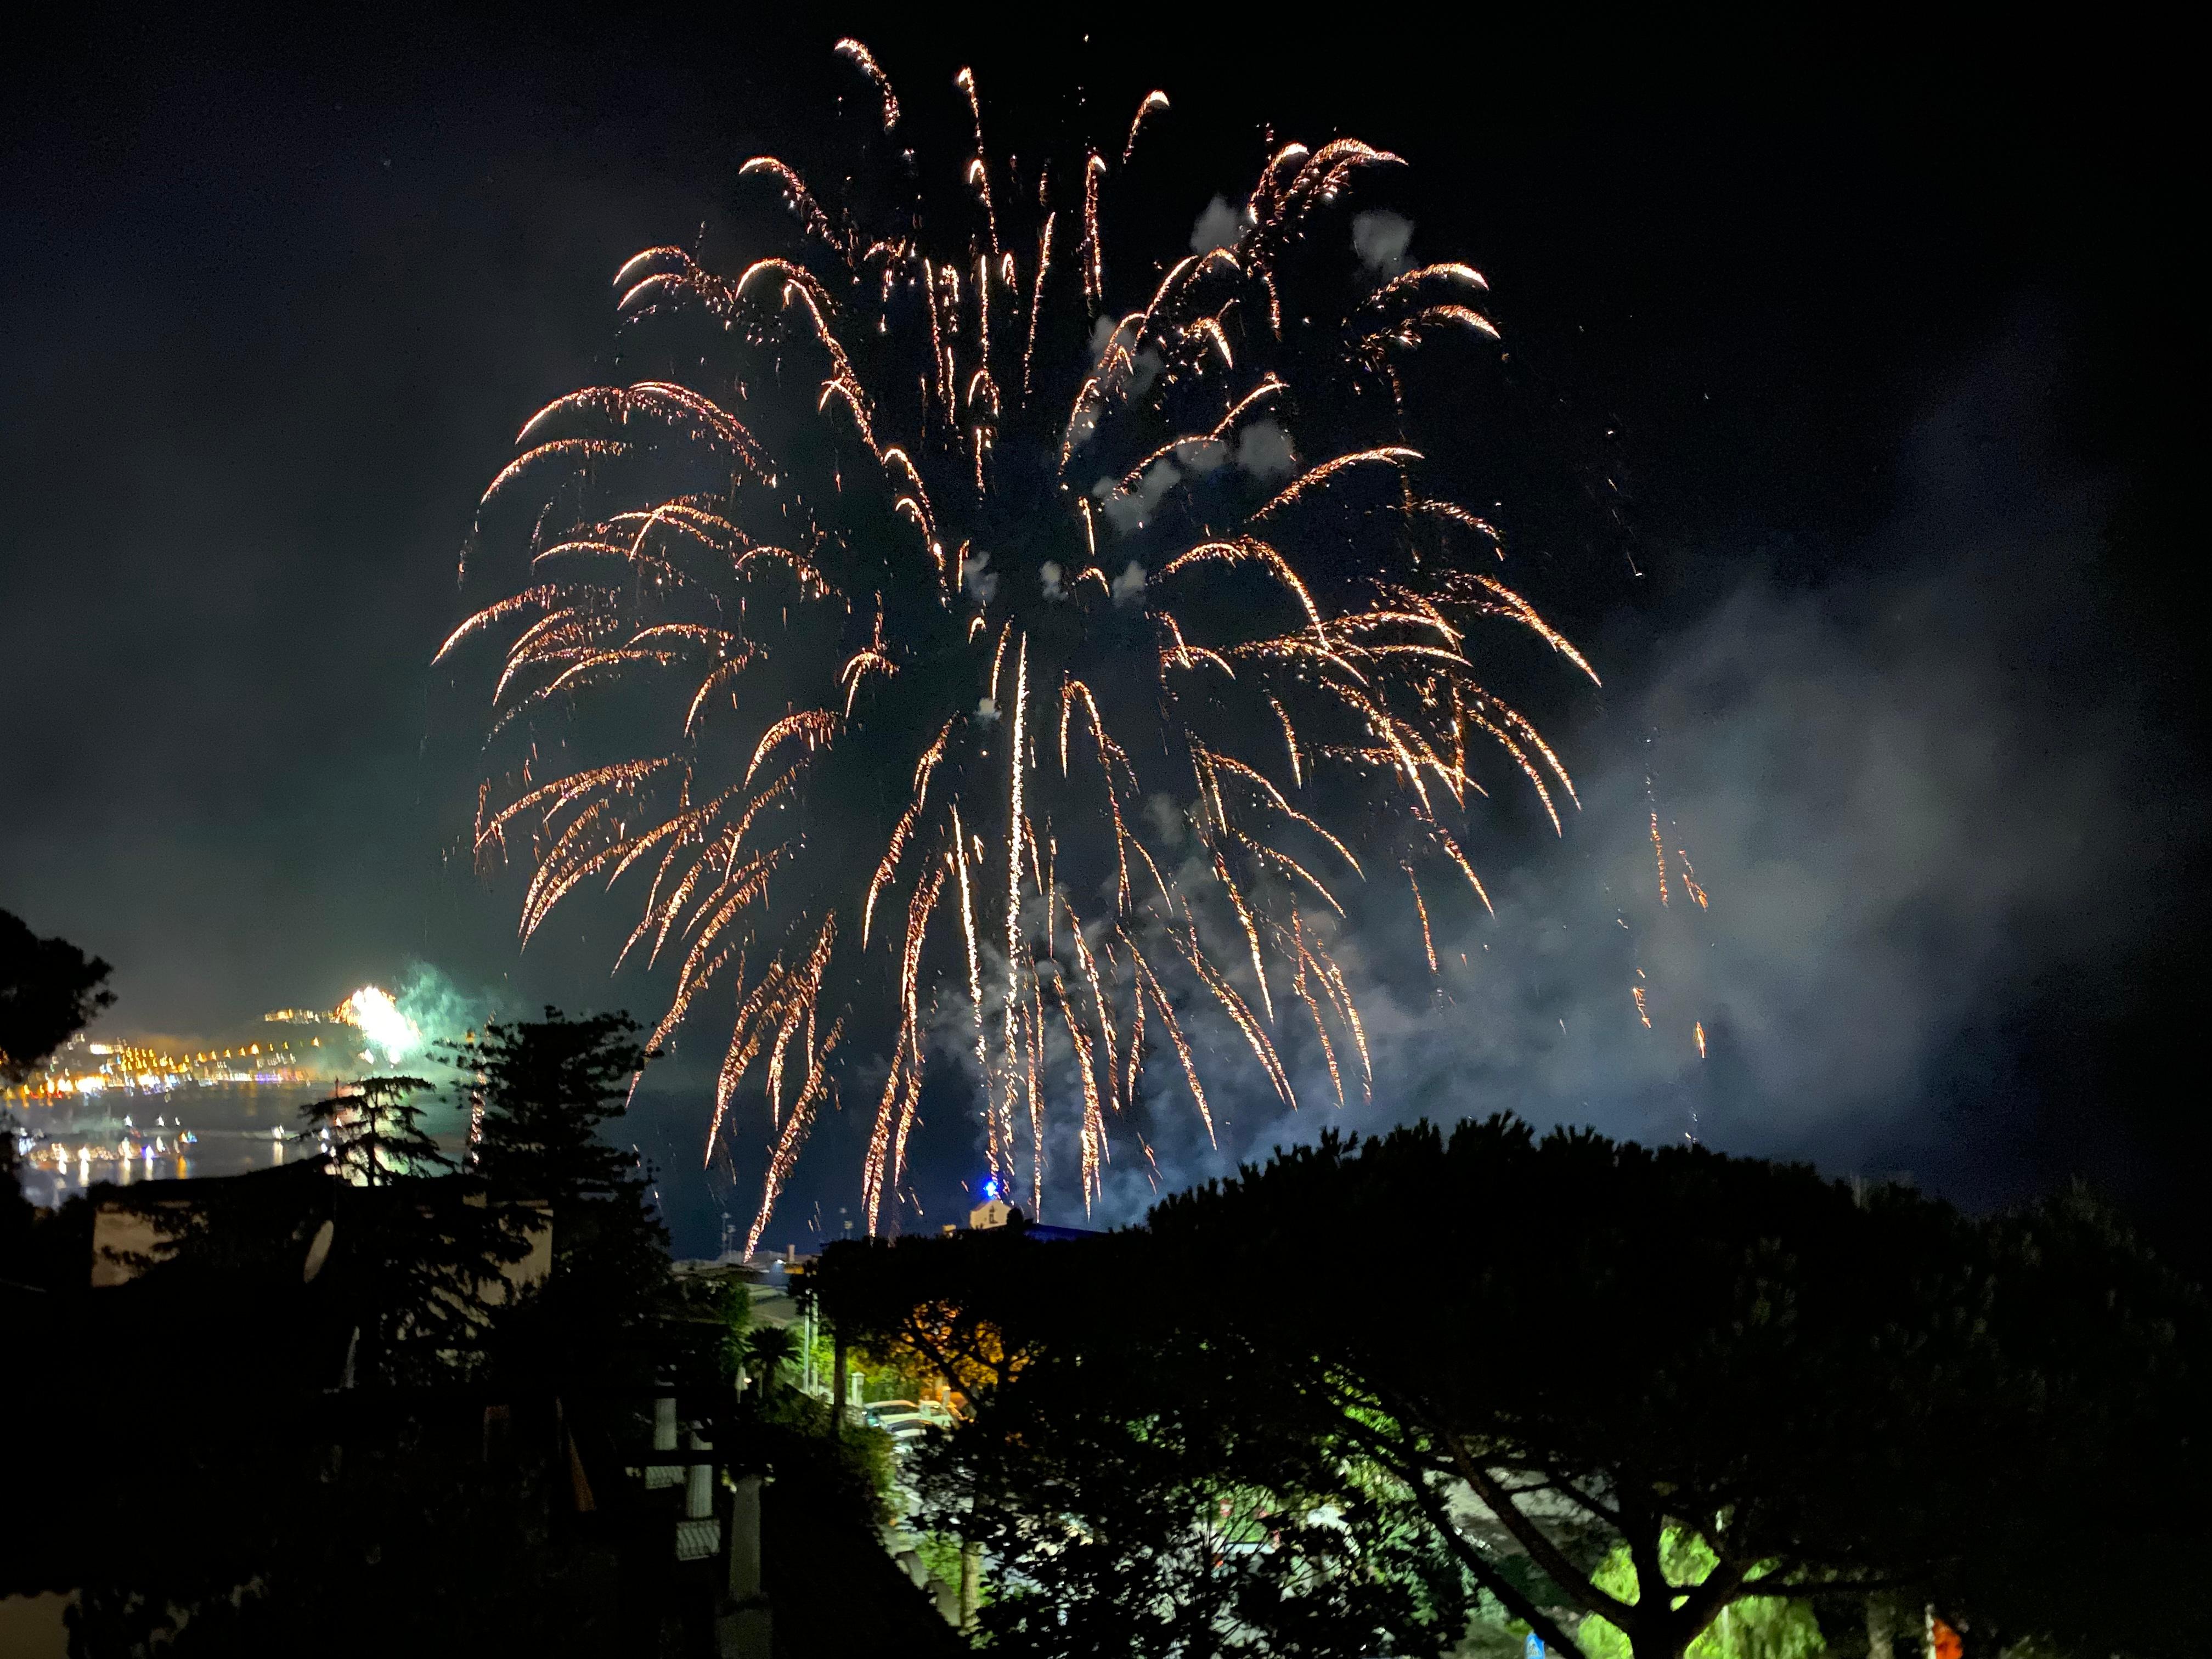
column 1437, row 1393
column 1371, row 1397
column 380, row 1400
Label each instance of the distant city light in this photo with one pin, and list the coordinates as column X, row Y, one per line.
column 381, row 1035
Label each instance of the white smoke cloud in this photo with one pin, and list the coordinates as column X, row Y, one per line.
column 1199, row 455
column 979, row 579
column 1126, row 510
column 1218, row 226
column 1381, row 238
column 1048, row 575
column 1129, row 586
column 1263, row 449
column 1901, row 814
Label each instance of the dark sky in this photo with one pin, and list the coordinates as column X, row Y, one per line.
column 1856, row 381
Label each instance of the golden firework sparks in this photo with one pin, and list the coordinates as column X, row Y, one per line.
column 1421, row 909
column 1154, row 102
column 864, row 60
column 788, row 620
column 1690, row 878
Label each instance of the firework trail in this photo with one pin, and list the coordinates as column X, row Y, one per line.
column 1690, row 885
column 1690, row 878
column 826, row 625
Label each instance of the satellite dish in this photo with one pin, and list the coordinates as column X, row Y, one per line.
column 318, row 1251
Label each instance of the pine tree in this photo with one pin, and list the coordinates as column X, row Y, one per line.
column 422, row 1251
column 548, row 1088
column 374, row 1131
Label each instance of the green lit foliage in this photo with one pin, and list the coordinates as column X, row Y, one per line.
column 893, row 1372
column 718, row 1299
column 940, row 1553
column 1753, row 1627
column 1574, row 1351
column 1121, row 1502
column 1831, row 1391
column 848, row 1466
column 1122, row 1515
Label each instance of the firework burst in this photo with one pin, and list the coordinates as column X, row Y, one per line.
column 937, row 638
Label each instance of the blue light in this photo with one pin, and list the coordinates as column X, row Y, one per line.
column 991, row 1189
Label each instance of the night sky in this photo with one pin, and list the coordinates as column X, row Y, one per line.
column 1846, row 390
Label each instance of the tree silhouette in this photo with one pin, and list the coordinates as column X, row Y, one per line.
column 48, row 990
column 1819, row 1390
column 1610, row 1383
column 548, row 1088
column 1129, row 1506
column 373, row 1130
column 769, row 1352
column 418, row 1250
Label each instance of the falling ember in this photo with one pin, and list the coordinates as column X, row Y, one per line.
column 1701, row 1039
column 1690, row 878
column 1643, row 1012
column 1659, row 852
column 808, row 661
column 1421, row 909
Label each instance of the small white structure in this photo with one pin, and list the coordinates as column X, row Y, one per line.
column 991, row 1213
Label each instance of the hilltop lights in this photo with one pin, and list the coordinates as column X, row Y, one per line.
column 387, row 1028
